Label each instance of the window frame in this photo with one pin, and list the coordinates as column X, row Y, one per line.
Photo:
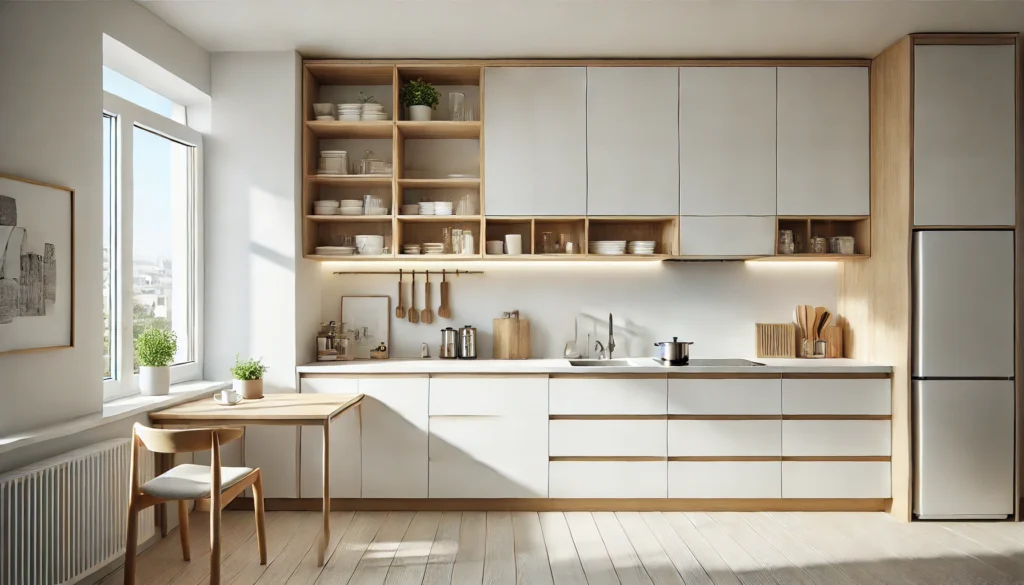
column 127, row 116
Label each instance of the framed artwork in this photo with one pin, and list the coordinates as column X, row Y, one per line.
column 369, row 318
column 37, row 277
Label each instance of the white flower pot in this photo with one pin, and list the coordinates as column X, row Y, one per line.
column 419, row 113
column 249, row 389
column 154, row 381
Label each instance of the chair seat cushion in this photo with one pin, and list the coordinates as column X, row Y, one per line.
column 190, row 482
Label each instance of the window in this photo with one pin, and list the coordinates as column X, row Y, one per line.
column 140, row 95
column 151, row 241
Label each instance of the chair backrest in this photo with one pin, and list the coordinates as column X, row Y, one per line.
column 183, row 440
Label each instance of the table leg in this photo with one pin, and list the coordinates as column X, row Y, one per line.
column 325, row 535
column 162, row 464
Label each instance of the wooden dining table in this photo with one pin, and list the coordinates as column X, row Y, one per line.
column 272, row 409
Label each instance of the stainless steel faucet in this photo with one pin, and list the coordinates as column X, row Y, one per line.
column 611, row 336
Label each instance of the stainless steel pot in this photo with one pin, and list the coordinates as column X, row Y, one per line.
column 675, row 352
column 467, row 343
column 449, row 344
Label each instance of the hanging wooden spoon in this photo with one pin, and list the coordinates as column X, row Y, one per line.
column 444, row 311
column 414, row 315
column 400, row 310
column 427, row 314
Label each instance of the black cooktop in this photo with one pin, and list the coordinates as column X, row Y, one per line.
column 721, row 363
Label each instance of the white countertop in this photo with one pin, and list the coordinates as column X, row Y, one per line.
column 562, row 366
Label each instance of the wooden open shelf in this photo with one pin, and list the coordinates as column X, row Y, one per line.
column 805, row 228
column 438, row 218
column 351, row 180
column 439, row 129
column 350, row 218
column 381, row 129
column 663, row 231
column 439, row 183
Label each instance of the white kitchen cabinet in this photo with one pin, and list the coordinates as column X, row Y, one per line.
column 607, row 438
column 823, row 141
column 841, row 438
column 725, row 236
column 394, row 437
column 724, row 438
column 833, row 396
column 964, row 135
column 725, row 479
column 609, row 479
column 583, row 395
column 836, row 479
column 535, row 136
column 632, row 141
column 346, row 458
column 725, row 396
column 727, row 141
column 488, row 437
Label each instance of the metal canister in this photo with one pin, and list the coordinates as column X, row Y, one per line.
column 467, row 343
column 449, row 344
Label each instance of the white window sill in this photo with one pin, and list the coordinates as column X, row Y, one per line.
column 113, row 411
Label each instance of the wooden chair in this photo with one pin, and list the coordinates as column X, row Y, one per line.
column 213, row 484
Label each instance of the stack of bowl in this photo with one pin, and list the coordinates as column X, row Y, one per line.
column 413, row 249
column 373, row 111
column 351, row 207
column 370, row 245
column 325, row 207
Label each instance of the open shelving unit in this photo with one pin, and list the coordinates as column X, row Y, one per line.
column 443, row 159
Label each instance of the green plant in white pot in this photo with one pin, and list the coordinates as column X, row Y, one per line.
column 420, row 98
column 248, row 377
column 155, row 350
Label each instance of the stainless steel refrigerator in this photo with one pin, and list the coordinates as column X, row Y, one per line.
column 963, row 368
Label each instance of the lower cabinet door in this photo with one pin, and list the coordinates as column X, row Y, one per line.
column 394, row 437
column 836, row 438
column 689, row 438
column 608, row 438
column 344, row 434
column 609, row 479
column 725, row 479
column 488, row 457
column 836, row 479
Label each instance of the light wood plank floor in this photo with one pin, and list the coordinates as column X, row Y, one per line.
column 601, row 548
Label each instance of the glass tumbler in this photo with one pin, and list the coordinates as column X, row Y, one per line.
column 456, row 106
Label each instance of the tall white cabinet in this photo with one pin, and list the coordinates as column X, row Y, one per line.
column 632, row 141
column 535, row 146
column 964, row 135
column 823, row 141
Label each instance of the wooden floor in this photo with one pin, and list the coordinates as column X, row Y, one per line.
column 601, row 548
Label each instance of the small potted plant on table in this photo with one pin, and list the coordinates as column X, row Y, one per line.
column 248, row 377
column 154, row 350
column 420, row 98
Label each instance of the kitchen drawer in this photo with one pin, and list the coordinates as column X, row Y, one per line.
column 608, row 395
column 608, row 479
column 836, row 479
column 725, row 396
column 836, row 438
column 488, row 395
column 695, row 438
column 725, row 479
column 609, row 438
column 832, row 396
column 488, row 457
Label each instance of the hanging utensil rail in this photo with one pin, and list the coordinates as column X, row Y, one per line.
column 395, row 272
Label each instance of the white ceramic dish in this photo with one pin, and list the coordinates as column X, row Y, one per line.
column 326, row 203
column 350, row 203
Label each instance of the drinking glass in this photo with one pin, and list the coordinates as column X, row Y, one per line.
column 456, row 106
column 547, row 242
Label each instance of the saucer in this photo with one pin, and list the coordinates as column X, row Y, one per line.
column 222, row 403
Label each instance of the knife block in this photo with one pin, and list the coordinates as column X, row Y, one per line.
column 511, row 339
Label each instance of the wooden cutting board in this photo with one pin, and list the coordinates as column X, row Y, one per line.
column 511, row 339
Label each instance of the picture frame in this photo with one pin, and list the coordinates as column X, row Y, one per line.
column 372, row 312
column 37, row 268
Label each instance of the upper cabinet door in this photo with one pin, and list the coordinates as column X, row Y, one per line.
column 632, row 141
column 964, row 124
column 823, row 141
column 727, row 141
column 535, row 141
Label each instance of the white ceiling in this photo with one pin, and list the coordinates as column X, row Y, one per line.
column 576, row 28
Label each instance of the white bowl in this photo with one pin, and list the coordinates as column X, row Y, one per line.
column 349, row 211
column 325, row 118
column 350, row 203
column 326, row 202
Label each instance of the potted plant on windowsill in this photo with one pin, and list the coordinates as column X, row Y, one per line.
column 154, row 350
column 248, row 377
column 420, row 98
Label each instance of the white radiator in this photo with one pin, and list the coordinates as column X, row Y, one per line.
column 62, row 518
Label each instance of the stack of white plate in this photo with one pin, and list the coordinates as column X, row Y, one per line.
column 370, row 245
column 325, row 207
column 350, row 112
column 413, row 209
column 608, row 247
column 351, row 207
column 641, row 247
column 335, row 250
column 413, row 249
column 372, row 111
column 433, row 249
column 443, row 208
column 427, row 208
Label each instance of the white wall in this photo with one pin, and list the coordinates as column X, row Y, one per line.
column 51, row 100
column 713, row 304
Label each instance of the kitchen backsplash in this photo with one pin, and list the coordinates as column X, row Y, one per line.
column 714, row 304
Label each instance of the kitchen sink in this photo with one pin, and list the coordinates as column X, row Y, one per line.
column 603, row 363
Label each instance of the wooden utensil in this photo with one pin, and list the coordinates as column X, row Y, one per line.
column 819, row 314
column 444, row 311
column 809, row 320
column 801, row 319
column 414, row 315
column 427, row 314
column 400, row 310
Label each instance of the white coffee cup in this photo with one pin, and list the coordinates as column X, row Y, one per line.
column 228, row 396
column 495, row 247
column 513, row 244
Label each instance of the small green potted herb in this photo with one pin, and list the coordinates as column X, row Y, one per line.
column 154, row 350
column 248, row 377
column 420, row 98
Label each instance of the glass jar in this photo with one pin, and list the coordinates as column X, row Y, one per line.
column 818, row 246
column 786, row 245
column 845, row 245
